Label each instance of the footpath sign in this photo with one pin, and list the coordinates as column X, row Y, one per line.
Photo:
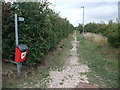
column 21, row 50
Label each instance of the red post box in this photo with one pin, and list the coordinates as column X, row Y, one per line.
column 21, row 51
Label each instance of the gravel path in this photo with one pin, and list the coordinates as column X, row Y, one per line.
column 70, row 76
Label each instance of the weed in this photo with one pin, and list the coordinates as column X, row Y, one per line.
column 61, row 83
column 104, row 66
column 63, row 80
column 82, row 79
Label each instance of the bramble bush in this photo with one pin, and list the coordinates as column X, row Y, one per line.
column 41, row 31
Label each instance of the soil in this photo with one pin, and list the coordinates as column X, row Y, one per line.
column 70, row 76
column 86, row 85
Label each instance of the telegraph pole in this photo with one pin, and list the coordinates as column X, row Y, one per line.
column 83, row 23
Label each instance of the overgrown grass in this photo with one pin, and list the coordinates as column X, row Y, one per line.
column 56, row 59
column 102, row 61
column 38, row 76
column 97, row 38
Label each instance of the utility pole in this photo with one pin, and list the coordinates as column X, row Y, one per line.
column 83, row 23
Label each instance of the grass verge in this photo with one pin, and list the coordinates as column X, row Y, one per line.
column 96, row 38
column 37, row 76
column 102, row 61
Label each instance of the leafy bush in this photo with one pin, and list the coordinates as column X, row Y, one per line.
column 42, row 29
column 113, row 39
column 109, row 30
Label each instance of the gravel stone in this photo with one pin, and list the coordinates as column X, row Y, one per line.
column 70, row 76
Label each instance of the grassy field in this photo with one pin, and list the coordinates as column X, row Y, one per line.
column 102, row 61
column 37, row 76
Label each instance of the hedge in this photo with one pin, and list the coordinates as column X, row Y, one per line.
column 41, row 31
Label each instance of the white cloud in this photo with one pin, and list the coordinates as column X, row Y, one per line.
column 94, row 11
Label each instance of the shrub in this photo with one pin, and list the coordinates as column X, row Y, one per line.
column 113, row 39
column 42, row 29
column 109, row 30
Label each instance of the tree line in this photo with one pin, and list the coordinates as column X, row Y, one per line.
column 109, row 30
column 41, row 31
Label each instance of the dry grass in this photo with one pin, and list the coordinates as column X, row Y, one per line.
column 97, row 38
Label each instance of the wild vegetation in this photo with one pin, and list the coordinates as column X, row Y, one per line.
column 98, row 52
column 42, row 29
column 109, row 30
column 102, row 60
column 37, row 76
column 96, row 38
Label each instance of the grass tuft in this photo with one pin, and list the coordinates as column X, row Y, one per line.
column 97, row 38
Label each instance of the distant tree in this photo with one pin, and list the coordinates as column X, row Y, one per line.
column 80, row 28
column 109, row 30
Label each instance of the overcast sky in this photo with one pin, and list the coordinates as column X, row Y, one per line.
column 95, row 10
column 102, row 10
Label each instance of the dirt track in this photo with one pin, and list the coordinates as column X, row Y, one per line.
column 70, row 76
